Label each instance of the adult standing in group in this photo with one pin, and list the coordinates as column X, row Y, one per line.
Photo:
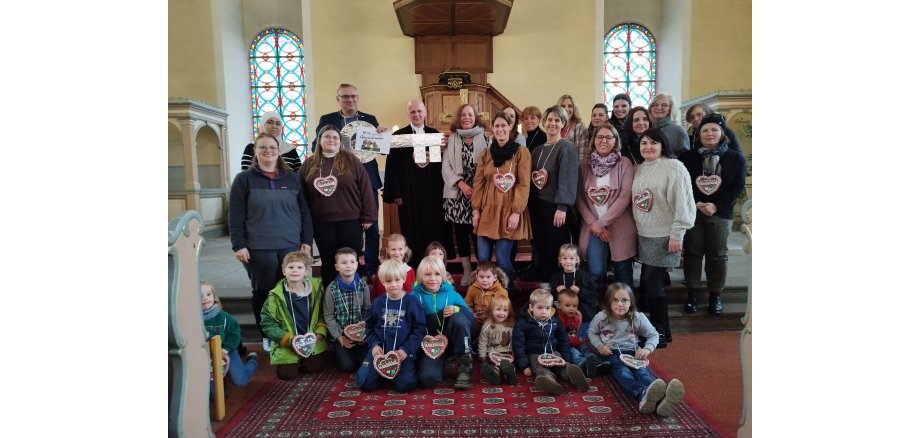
column 662, row 107
column 695, row 115
column 598, row 118
column 638, row 121
column 417, row 188
column 465, row 145
column 515, row 134
column 347, row 97
column 718, row 174
column 500, row 192
column 608, row 231
column 534, row 137
column 553, row 180
column 574, row 130
column 340, row 196
column 663, row 209
column 268, row 217
column 271, row 123
column 622, row 103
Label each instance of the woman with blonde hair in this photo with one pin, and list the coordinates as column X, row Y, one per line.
column 662, row 109
column 574, row 130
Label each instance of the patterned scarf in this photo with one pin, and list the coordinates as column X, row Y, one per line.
column 601, row 165
column 711, row 159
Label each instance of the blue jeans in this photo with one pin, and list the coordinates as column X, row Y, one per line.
column 502, row 254
column 368, row 379
column 457, row 330
column 633, row 382
column 239, row 373
column 598, row 253
column 348, row 359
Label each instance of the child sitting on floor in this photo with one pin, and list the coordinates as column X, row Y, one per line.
column 570, row 317
column 218, row 322
column 541, row 346
column 615, row 331
column 396, row 250
column 446, row 314
column 496, row 338
column 345, row 304
column 293, row 310
column 579, row 281
column 490, row 281
column 395, row 322
column 435, row 249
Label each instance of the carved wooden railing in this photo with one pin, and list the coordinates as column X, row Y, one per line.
column 747, row 346
column 189, row 375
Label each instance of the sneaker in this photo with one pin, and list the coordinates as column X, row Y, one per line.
column 266, row 345
column 591, row 364
column 252, row 356
column 654, row 393
column 548, row 384
column 576, row 377
column 508, row 372
column 673, row 395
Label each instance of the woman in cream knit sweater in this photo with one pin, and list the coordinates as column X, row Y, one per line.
column 664, row 210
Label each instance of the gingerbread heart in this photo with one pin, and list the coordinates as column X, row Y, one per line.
column 387, row 365
column 303, row 345
column 326, row 185
column 708, row 184
column 504, row 181
column 598, row 195
column 539, row 177
column 497, row 358
column 550, row 360
column 356, row 332
column 434, row 346
column 643, row 200
column 632, row 362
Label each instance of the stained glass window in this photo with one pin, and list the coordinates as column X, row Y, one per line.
column 276, row 76
column 629, row 64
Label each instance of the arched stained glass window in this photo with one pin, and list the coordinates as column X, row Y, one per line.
column 629, row 64
column 276, row 76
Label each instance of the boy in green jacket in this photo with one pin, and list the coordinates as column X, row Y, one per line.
column 293, row 309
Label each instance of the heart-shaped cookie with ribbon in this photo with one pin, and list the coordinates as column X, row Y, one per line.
column 497, row 358
column 326, row 185
column 539, row 178
column 387, row 365
column 708, row 184
column 598, row 195
column 303, row 345
column 643, row 200
column 434, row 346
column 504, row 181
column 356, row 332
column 632, row 362
column 550, row 360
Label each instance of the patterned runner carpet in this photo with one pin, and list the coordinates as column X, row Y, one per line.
column 329, row 405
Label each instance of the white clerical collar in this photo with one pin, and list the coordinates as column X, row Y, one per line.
column 418, row 129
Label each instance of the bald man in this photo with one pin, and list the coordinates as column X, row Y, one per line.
column 417, row 189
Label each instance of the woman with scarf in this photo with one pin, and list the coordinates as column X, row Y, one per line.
column 608, row 231
column 553, row 181
column 500, row 191
column 718, row 173
column 663, row 209
column 638, row 121
column 340, row 195
column 695, row 115
column 271, row 124
column 465, row 146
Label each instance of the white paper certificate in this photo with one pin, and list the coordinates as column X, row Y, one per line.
column 420, row 155
column 368, row 140
column 434, row 154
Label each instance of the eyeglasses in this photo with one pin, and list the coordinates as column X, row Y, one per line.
column 623, row 301
column 661, row 105
column 271, row 148
column 605, row 137
column 348, row 96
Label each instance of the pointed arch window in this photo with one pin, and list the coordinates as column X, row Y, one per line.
column 630, row 61
column 276, row 75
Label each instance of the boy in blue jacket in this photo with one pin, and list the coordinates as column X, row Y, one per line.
column 541, row 346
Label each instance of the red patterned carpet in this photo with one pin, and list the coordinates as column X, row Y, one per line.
column 329, row 404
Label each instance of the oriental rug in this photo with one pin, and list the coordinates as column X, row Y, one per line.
column 328, row 404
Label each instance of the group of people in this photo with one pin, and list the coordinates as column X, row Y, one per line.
column 629, row 186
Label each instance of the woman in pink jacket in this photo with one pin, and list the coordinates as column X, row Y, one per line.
column 608, row 231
